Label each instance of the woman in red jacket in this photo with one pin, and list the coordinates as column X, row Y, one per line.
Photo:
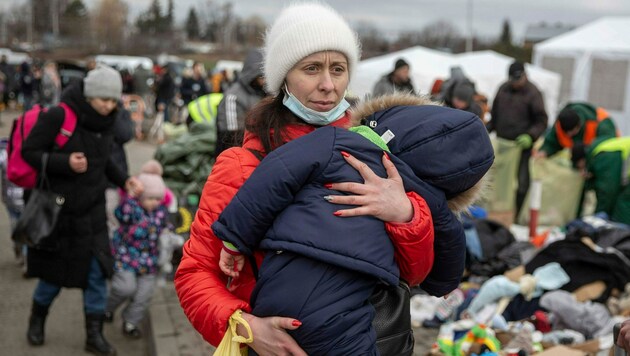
column 317, row 43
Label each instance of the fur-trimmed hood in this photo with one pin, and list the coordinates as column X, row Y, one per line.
column 445, row 147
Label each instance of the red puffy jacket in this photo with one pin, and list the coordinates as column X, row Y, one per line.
column 200, row 284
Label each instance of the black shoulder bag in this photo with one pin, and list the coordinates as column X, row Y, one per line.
column 39, row 218
column 392, row 322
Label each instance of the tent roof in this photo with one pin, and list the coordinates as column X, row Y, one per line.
column 605, row 34
column 488, row 69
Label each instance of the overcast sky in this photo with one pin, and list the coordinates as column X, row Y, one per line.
column 394, row 15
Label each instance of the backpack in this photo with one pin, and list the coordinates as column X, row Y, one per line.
column 18, row 171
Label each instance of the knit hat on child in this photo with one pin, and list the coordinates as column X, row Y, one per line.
column 301, row 30
column 154, row 186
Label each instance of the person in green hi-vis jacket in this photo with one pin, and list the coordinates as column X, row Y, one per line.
column 607, row 166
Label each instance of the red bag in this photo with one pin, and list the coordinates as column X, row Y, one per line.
column 18, row 171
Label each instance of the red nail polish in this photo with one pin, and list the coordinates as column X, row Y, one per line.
column 328, row 185
column 345, row 154
column 296, row 323
column 337, row 213
column 387, row 156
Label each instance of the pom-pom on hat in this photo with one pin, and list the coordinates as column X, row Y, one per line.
column 154, row 186
column 102, row 82
column 152, row 166
column 301, row 30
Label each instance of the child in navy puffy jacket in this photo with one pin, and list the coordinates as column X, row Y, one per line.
column 321, row 269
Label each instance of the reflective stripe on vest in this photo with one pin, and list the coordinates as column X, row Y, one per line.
column 590, row 130
column 617, row 144
column 204, row 109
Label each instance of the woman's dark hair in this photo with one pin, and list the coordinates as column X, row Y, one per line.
column 268, row 120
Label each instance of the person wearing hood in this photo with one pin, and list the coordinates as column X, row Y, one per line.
column 237, row 100
column 345, row 258
column 458, row 79
column 463, row 99
column 398, row 81
column 310, row 54
column 77, row 254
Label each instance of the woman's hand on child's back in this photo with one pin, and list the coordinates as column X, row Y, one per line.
column 383, row 198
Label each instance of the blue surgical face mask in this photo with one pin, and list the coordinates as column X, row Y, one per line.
column 311, row 116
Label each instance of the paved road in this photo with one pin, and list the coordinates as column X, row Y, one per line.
column 65, row 333
column 168, row 331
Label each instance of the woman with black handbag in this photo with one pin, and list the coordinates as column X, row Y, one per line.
column 315, row 41
column 77, row 253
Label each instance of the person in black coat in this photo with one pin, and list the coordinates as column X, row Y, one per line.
column 77, row 254
column 164, row 92
column 194, row 86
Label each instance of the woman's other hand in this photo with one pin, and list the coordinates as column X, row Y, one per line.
column 134, row 187
column 270, row 336
column 383, row 198
column 78, row 162
column 231, row 264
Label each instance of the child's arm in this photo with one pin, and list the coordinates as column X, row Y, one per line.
column 129, row 212
column 231, row 261
column 269, row 190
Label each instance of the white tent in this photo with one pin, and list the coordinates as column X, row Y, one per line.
column 425, row 64
column 488, row 69
column 594, row 61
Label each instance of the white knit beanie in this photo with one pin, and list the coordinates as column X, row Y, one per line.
column 301, row 30
column 102, row 82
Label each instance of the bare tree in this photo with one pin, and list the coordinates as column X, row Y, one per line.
column 110, row 21
column 438, row 35
column 249, row 32
column 73, row 23
column 373, row 43
column 18, row 23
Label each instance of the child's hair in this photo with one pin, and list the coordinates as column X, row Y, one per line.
column 152, row 167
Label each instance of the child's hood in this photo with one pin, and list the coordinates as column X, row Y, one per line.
column 445, row 147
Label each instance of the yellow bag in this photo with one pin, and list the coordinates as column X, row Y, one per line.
column 231, row 343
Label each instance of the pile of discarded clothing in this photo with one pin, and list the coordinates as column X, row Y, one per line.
column 522, row 298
